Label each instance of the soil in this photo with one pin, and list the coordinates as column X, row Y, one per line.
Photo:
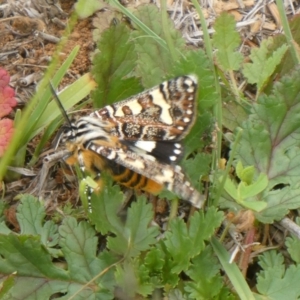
column 30, row 54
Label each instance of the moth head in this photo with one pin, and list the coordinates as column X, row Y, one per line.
column 67, row 133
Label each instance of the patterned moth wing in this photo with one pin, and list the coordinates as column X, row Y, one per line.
column 138, row 139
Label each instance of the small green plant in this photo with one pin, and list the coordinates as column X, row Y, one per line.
column 247, row 189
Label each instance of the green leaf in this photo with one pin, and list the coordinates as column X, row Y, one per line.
column 270, row 142
column 136, row 235
column 256, row 206
column 184, row 244
column 30, row 215
column 113, row 65
column 245, row 174
column 274, row 282
column 6, row 285
column 35, row 276
column 245, row 194
column 197, row 167
column 154, row 60
column 85, row 9
column 105, row 208
column 204, row 272
column 256, row 187
column 179, row 245
column 262, row 66
column 293, row 246
column 129, row 281
column 231, row 189
column 79, row 245
column 203, row 226
column 154, row 260
column 279, row 203
column 227, row 40
column 26, row 255
column 232, row 271
column 175, row 294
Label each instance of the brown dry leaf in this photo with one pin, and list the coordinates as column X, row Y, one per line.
column 244, row 220
column 275, row 13
column 269, row 26
column 237, row 15
column 221, row 6
column 249, row 3
column 256, row 27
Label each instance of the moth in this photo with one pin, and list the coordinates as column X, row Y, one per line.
column 138, row 140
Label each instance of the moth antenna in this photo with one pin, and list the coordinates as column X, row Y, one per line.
column 62, row 109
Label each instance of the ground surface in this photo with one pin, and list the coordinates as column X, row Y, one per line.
column 25, row 54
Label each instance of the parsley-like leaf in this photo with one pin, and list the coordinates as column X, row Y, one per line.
column 227, row 40
column 270, row 142
column 274, row 282
column 113, row 65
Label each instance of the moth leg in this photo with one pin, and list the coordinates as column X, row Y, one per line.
column 48, row 162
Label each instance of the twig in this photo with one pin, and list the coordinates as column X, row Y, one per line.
column 291, row 226
column 48, row 37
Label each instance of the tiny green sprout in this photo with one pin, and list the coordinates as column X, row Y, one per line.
column 247, row 190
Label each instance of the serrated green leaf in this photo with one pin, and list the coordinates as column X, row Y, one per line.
column 276, row 283
column 49, row 234
column 204, row 271
column 203, row 226
column 113, row 65
column 105, row 208
column 169, row 277
column 30, row 215
column 272, row 260
column 234, row 114
column 270, row 142
column 151, row 267
column 175, row 294
column 262, row 66
column 293, row 246
column 183, row 244
column 136, row 235
column 154, row 260
column 279, row 203
column 27, row 256
column 197, row 167
column 128, row 282
column 79, row 244
column 179, row 245
column 154, row 60
column 227, row 40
